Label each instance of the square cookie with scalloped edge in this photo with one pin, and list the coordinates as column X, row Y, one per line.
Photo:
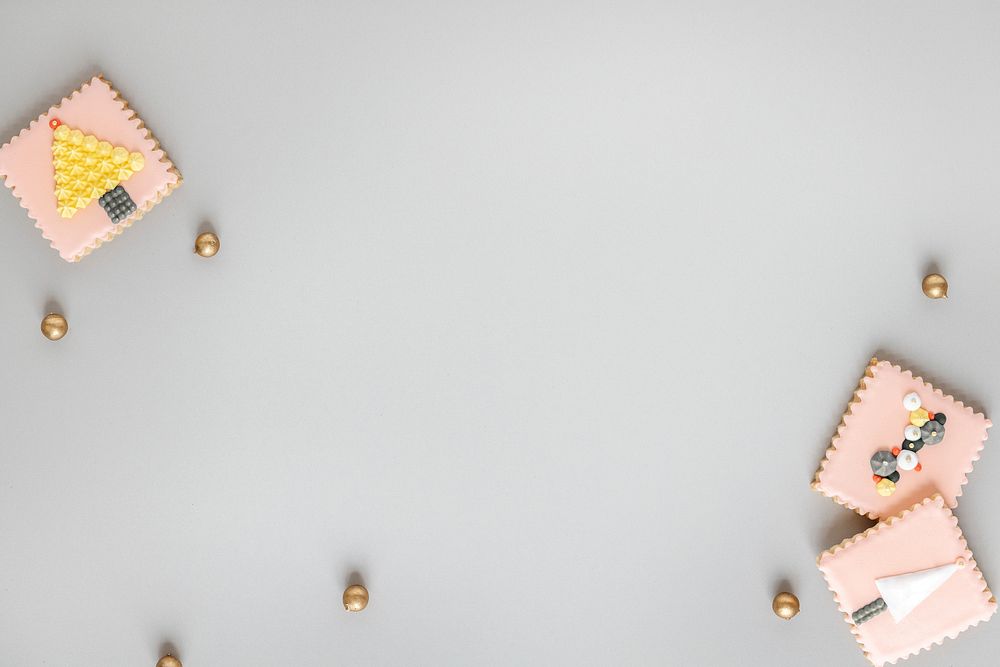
column 907, row 583
column 900, row 441
column 86, row 169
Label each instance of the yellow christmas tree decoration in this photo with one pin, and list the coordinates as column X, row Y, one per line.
column 87, row 167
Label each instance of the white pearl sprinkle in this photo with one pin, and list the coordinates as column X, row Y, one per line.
column 906, row 460
column 912, row 433
column 911, row 401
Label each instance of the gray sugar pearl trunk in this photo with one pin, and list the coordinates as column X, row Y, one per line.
column 117, row 204
column 869, row 611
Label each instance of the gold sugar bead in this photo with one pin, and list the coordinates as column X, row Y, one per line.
column 885, row 487
column 54, row 326
column 785, row 605
column 169, row 661
column 919, row 417
column 935, row 286
column 355, row 598
column 206, row 245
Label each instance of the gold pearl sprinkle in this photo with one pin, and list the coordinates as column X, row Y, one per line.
column 785, row 605
column 355, row 598
column 54, row 326
column 206, row 245
column 935, row 286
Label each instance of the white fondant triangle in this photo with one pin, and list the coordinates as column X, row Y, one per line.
column 903, row 592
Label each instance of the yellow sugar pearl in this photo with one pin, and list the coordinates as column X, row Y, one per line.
column 119, row 155
column 104, row 148
column 919, row 417
column 76, row 137
column 61, row 133
column 136, row 161
column 885, row 487
column 90, row 142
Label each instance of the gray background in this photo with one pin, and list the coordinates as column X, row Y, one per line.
column 539, row 316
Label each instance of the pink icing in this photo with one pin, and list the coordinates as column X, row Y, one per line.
column 925, row 537
column 26, row 162
column 877, row 422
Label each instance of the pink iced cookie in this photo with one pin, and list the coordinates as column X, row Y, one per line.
column 97, row 110
column 907, row 583
column 887, row 456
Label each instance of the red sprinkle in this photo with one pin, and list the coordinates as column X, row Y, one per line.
column 930, row 415
column 54, row 123
column 919, row 467
column 876, row 479
column 895, row 451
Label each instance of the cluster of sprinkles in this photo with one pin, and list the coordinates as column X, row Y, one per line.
column 925, row 428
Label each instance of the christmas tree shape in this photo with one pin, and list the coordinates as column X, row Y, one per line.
column 903, row 592
column 86, row 168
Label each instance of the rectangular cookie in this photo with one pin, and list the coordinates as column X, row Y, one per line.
column 907, row 583
column 86, row 169
column 887, row 455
